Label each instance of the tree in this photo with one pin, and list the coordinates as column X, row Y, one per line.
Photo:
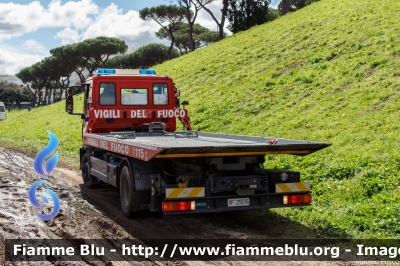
column 286, row 6
column 273, row 13
column 53, row 73
column 123, row 61
column 25, row 76
column 60, row 71
column 224, row 10
column 201, row 36
column 191, row 16
column 71, row 58
column 97, row 51
column 42, row 80
column 167, row 17
column 152, row 54
column 127, row 61
column 13, row 93
column 243, row 14
column 25, row 95
column 33, row 75
column 88, row 54
column 144, row 57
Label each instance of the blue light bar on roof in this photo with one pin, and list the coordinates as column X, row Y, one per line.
column 147, row 71
column 105, row 71
column 108, row 71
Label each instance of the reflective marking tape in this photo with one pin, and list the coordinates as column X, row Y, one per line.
column 213, row 154
column 292, row 187
column 189, row 192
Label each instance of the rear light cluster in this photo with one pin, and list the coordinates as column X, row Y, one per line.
column 297, row 199
column 176, row 206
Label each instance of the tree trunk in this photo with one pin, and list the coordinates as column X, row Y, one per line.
column 39, row 97
column 172, row 44
column 46, row 93
column 59, row 96
column 285, row 6
column 191, row 41
column 220, row 26
column 80, row 74
column 223, row 16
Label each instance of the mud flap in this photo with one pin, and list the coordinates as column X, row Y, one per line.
column 155, row 199
column 142, row 199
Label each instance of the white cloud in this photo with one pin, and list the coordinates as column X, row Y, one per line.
column 33, row 46
column 72, row 13
column 75, row 20
column 68, row 35
column 16, row 20
column 128, row 27
column 12, row 59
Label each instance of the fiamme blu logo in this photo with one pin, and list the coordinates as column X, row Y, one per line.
column 50, row 165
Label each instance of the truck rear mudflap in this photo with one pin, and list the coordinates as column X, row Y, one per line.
column 235, row 202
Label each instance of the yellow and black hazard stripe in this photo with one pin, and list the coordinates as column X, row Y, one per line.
column 292, row 187
column 189, row 192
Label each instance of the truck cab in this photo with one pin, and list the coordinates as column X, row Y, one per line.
column 117, row 102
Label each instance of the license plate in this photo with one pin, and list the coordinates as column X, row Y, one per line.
column 238, row 202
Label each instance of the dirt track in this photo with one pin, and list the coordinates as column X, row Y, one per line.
column 93, row 214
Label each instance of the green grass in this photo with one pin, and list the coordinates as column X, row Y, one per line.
column 27, row 131
column 328, row 72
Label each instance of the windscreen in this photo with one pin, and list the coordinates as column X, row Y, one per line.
column 160, row 94
column 134, row 96
column 107, row 93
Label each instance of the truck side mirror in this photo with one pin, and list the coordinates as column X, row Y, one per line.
column 69, row 102
column 184, row 103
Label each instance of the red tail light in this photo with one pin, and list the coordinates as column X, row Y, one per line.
column 177, row 206
column 297, row 199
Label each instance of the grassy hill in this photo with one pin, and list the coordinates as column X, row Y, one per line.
column 328, row 72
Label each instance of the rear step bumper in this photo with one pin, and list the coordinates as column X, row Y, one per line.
column 220, row 203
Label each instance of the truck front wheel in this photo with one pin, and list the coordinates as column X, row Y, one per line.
column 88, row 179
column 126, row 191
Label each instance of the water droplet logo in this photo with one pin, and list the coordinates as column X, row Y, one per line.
column 34, row 201
column 50, row 165
column 41, row 156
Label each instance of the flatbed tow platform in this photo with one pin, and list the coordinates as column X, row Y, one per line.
column 146, row 146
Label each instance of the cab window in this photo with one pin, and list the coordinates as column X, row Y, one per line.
column 107, row 94
column 134, row 96
column 160, row 94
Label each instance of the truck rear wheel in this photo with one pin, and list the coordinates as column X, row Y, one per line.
column 126, row 189
column 88, row 179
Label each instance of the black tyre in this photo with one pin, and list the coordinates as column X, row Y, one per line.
column 126, row 190
column 89, row 181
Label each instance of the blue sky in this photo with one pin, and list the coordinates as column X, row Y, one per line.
column 29, row 29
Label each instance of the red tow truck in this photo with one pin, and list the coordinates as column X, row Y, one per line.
column 130, row 140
